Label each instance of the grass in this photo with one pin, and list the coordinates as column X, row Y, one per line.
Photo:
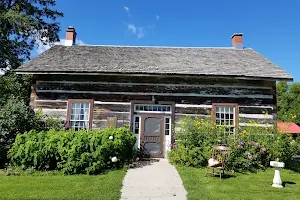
column 239, row 186
column 58, row 187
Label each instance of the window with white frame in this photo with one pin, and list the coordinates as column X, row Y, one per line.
column 79, row 114
column 225, row 116
column 167, row 125
column 152, row 108
column 136, row 126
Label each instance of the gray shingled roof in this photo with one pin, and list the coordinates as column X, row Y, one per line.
column 155, row 60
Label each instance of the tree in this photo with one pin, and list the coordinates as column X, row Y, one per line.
column 288, row 102
column 22, row 24
column 15, row 117
column 14, row 87
column 15, row 114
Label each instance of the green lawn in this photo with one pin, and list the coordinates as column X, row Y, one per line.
column 241, row 186
column 58, row 187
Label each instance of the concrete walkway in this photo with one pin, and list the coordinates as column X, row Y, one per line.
column 156, row 180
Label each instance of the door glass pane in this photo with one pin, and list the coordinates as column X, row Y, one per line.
column 152, row 148
column 152, row 125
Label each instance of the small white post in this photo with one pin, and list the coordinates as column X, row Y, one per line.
column 277, row 179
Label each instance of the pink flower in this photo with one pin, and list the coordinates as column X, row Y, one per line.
column 137, row 159
column 253, row 143
column 249, row 155
column 264, row 149
column 131, row 165
column 171, row 145
column 232, row 171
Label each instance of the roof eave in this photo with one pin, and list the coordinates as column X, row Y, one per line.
column 288, row 79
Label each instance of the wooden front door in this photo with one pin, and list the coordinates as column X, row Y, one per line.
column 151, row 135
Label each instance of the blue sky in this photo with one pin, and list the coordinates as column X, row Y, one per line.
column 272, row 27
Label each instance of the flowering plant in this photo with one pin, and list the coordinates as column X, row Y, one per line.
column 253, row 147
column 134, row 163
column 114, row 159
column 257, row 146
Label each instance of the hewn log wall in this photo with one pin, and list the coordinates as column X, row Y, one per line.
column 192, row 95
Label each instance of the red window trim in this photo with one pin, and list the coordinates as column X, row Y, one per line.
column 236, row 113
column 70, row 101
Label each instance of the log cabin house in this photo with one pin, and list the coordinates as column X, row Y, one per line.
column 150, row 88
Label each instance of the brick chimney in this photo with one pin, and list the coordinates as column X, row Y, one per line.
column 237, row 40
column 70, row 36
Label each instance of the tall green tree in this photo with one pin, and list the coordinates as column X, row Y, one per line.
column 22, row 24
column 288, row 102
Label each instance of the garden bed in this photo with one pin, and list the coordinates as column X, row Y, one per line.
column 239, row 186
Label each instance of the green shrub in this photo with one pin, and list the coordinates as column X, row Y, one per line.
column 194, row 140
column 253, row 147
column 73, row 152
column 15, row 114
column 46, row 123
column 15, row 117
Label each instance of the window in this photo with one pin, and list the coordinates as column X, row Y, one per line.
column 79, row 114
column 225, row 115
column 152, row 108
column 167, row 125
column 136, row 124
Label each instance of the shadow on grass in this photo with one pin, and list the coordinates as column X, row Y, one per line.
column 295, row 166
column 227, row 176
column 224, row 176
column 287, row 182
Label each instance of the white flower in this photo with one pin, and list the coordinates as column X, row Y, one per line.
column 111, row 137
column 114, row 159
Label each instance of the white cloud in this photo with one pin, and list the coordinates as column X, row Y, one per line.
column 157, row 17
column 80, row 42
column 41, row 48
column 132, row 28
column 138, row 31
column 127, row 10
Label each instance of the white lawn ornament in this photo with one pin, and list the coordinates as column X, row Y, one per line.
column 114, row 159
column 212, row 162
column 277, row 180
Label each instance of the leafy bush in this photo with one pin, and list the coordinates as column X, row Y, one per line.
column 14, row 86
column 253, row 147
column 46, row 123
column 256, row 146
column 15, row 117
column 194, row 140
column 73, row 152
column 15, row 114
